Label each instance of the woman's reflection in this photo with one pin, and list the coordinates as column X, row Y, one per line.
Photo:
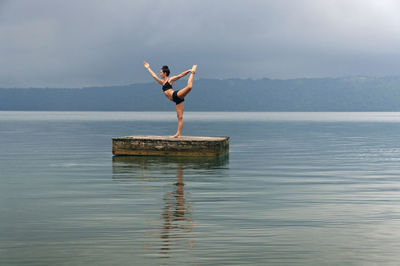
column 176, row 228
column 177, row 216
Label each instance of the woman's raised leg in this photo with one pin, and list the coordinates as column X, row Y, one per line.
column 183, row 92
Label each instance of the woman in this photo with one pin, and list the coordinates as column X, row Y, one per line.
column 175, row 96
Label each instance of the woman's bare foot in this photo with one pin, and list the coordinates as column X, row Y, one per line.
column 176, row 136
column 194, row 68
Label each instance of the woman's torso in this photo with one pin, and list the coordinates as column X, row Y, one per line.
column 168, row 91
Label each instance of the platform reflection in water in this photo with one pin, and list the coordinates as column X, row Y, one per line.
column 175, row 229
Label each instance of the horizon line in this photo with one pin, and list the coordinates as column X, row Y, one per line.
column 219, row 79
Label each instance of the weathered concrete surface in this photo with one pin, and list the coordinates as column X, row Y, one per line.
column 163, row 145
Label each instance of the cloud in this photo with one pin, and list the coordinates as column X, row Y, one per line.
column 83, row 43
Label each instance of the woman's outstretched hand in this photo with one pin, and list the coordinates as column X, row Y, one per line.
column 146, row 65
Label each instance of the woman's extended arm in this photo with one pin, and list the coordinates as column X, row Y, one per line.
column 147, row 66
column 174, row 78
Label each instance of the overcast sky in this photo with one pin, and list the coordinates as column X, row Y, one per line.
column 77, row 43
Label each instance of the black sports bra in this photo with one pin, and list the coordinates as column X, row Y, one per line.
column 166, row 86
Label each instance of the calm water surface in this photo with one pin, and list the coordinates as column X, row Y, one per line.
column 296, row 189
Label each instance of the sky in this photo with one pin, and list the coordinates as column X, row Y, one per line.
column 80, row 43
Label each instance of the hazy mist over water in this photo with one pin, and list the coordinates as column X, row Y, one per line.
column 296, row 188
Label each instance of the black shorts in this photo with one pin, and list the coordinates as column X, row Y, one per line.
column 176, row 99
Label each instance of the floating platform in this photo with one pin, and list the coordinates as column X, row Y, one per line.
column 168, row 146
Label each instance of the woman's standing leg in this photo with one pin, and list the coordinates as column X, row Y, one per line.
column 179, row 115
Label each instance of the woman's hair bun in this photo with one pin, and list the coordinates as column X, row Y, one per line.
column 165, row 69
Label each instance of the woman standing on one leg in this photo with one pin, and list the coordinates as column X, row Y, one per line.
column 175, row 96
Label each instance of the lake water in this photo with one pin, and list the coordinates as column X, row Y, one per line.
column 296, row 189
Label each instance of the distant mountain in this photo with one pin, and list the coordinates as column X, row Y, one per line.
column 311, row 94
